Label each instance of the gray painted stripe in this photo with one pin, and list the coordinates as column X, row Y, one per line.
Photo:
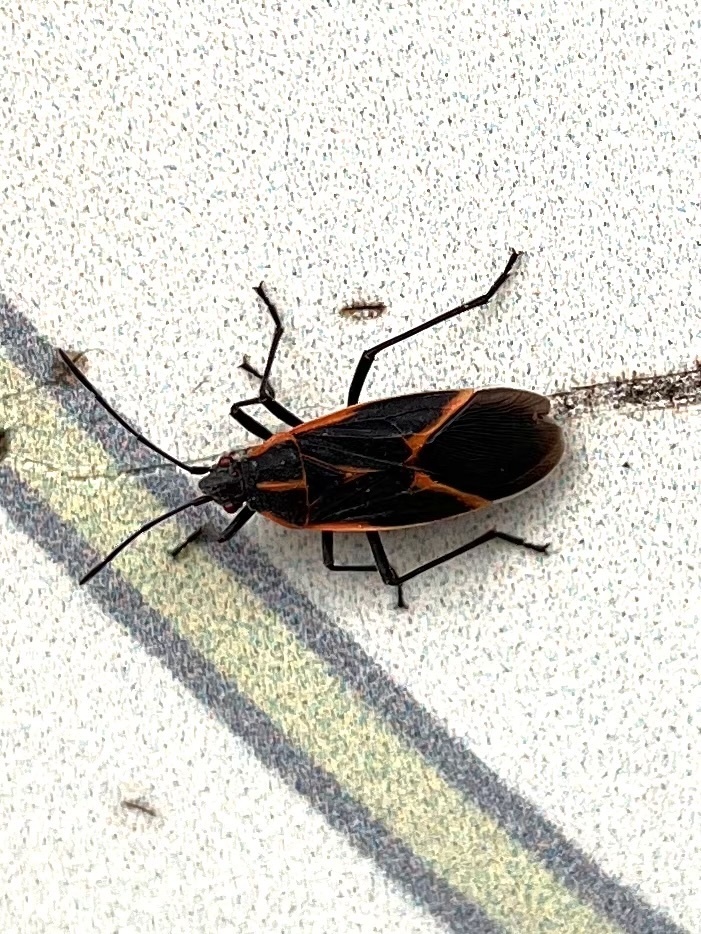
column 456, row 764
column 244, row 719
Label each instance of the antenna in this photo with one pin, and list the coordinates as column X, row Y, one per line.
column 200, row 501
column 82, row 378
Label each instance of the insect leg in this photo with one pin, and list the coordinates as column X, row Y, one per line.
column 192, row 537
column 266, row 395
column 366, row 360
column 482, row 540
column 327, row 557
column 387, row 572
column 241, row 518
column 271, row 403
column 249, row 423
column 238, row 522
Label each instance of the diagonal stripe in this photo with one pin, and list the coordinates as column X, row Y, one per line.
column 244, row 719
column 233, row 630
column 296, row 689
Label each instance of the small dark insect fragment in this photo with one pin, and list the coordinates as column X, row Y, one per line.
column 363, row 311
column 60, row 372
column 134, row 804
column 4, row 444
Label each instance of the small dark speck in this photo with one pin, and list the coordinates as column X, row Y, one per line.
column 626, row 464
column 173, row 168
column 4, row 444
column 136, row 805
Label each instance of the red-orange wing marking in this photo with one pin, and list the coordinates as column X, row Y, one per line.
column 416, row 441
column 422, row 481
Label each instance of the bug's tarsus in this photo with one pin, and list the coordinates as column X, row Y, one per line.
column 367, row 358
column 82, row 378
column 192, row 537
column 266, row 393
column 241, row 518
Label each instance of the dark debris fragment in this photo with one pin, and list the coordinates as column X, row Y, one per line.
column 667, row 391
column 135, row 804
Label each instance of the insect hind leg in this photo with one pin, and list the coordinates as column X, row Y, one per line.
column 266, row 393
column 368, row 357
column 396, row 580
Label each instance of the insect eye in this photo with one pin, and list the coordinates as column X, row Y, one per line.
column 224, row 461
column 228, row 507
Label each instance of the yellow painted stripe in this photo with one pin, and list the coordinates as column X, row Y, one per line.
column 247, row 643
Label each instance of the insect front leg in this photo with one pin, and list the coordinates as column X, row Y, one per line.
column 367, row 359
column 239, row 520
column 271, row 403
column 266, row 394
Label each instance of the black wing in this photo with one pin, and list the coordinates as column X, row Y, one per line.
column 499, row 444
column 373, row 434
column 423, row 457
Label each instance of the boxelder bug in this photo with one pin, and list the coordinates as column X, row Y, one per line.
column 374, row 466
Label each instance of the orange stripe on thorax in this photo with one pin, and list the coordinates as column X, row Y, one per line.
column 259, row 449
column 281, row 486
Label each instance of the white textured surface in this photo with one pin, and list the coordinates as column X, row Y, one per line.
column 90, row 720
column 159, row 163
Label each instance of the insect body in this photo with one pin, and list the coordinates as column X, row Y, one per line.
column 381, row 465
